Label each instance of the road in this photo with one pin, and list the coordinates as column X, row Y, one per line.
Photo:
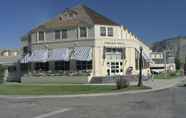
column 169, row 103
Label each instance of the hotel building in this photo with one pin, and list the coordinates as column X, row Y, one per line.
column 80, row 40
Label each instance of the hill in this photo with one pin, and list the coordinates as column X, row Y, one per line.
column 176, row 44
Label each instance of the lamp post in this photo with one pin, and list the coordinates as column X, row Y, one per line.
column 140, row 68
column 184, row 68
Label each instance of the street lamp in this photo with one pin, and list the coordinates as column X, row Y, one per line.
column 184, row 68
column 140, row 68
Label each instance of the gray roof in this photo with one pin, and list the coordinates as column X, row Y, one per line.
column 77, row 16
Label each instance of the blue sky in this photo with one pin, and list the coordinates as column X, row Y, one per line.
column 151, row 20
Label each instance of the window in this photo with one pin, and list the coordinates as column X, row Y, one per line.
column 41, row 36
column 57, row 35
column 24, row 67
column 102, row 31
column 123, row 54
column 12, row 69
column 42, row 66
column 121, row 70
column 121, row 63
column 83, row 32
column 84, row 65
column 110, row 31
column 62, row 65
column 64, row 34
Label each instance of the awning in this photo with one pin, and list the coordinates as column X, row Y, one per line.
column 59, row 54
column 39, row 56
column 157, row 71
column 82, row 53
column 25, row 59
column 145, row 55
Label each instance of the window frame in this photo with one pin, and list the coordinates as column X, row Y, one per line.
column 62, row 34
column 83, row 34
column 110, row 31
column 57, row 36
column 39, row 36
column 62, row 65
column 39, row 66
column 103, row 31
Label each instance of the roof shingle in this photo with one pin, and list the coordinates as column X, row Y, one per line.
column 77, row 16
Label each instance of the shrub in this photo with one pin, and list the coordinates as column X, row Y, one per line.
column 122, row 83
column 172, row 74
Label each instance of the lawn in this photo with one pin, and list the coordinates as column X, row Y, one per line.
column 21, row 89
column 167, row 75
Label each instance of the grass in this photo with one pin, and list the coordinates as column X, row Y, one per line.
column 167, row 75
column 21, row 89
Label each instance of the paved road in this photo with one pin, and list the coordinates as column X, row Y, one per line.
column 170, row 103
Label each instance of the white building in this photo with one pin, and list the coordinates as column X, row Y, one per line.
column 162, row 62
column 81, row 40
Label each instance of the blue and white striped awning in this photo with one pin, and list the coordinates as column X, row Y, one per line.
column 62, row 54
column 82, row 53
column 25, row 59
column 145, row 55
column 59, row 54
column 39, row 56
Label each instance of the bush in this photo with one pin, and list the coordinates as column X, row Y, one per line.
column 172, row 74
column 122, row 83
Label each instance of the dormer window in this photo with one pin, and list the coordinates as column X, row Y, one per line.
column 64, row 34
column 57, row 35
column 41, row 36
column 103, row 31
column 83, row 32
column 110, row 31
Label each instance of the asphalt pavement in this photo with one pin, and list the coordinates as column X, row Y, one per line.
column 167, row 103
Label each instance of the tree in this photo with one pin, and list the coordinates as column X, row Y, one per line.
column 178, row 63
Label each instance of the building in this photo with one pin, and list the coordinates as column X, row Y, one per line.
column 80, row 40
column 163, row 62
column 9, row 59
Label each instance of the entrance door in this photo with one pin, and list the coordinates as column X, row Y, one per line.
column 114, row 62
column 114, row 68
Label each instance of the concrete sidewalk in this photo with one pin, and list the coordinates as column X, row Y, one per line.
column 154, row 84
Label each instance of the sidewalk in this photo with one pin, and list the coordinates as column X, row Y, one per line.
column 154, row 84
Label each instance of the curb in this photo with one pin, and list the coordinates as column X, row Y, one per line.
column 87, row 95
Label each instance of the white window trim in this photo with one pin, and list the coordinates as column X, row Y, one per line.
column 108, row 32
column 54, row 35
column 79, row 33
column 62, row 34
column 105, row 31
column 38, row 41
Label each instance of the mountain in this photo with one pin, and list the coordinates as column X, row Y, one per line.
column 176, row 44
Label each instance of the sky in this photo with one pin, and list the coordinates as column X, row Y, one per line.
column 151, row 20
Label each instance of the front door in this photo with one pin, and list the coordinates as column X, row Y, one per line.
column 114, row 68
column 114, row 64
